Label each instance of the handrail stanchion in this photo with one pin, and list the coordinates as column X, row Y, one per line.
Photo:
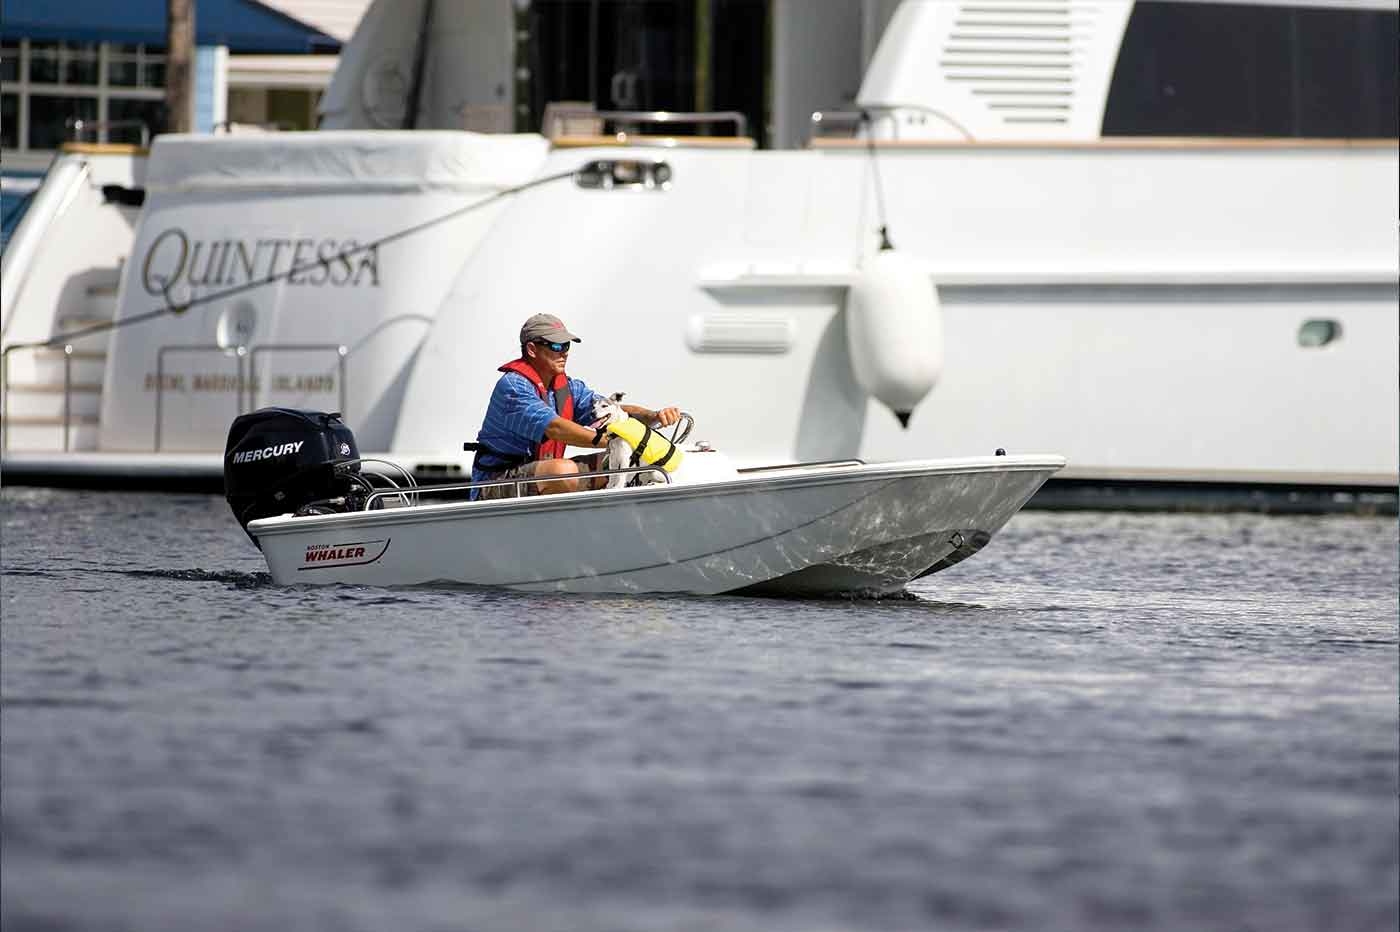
column 245, row 377
column 192, row 348
column 341, row 352
column 5, row 398
column 160, row 391
column 5, row 387
column 67, row 392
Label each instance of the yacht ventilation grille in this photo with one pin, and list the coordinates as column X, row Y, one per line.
column 1021, row 58
column 739, row 333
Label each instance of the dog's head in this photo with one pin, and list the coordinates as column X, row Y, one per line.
column 607, row 409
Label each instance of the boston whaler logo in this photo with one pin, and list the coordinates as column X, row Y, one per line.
column 174, row 258
column 266, row 453
column 355, row 553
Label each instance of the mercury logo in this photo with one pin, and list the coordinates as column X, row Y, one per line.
column 266, row 453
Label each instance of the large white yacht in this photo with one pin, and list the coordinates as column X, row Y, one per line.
column 1160, row 238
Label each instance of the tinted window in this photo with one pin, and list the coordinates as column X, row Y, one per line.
column 1190, row 69
column 642, row 54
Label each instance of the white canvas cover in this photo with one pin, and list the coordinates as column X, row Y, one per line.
column 329, row 160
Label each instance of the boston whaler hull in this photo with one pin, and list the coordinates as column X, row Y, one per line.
column 838, row 529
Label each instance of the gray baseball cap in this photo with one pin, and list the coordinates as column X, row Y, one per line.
column 546, row 327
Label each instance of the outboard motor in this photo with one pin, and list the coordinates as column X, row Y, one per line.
column 280, row 459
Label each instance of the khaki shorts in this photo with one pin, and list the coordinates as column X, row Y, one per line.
column 586, row 463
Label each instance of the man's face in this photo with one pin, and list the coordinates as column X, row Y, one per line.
column 551, row 359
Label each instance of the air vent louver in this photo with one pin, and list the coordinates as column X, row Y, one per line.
column 1021, row 58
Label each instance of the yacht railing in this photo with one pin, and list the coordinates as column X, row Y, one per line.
column 340, row 352
column 239, row 353
column 561, row 115
column 5, row 389
column 826, row 123
column 245, row 360
column 235, row 127
column 78, row 126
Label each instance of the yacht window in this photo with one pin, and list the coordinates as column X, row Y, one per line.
column 1192, row 69
column 9, row 121
column 1318, row 332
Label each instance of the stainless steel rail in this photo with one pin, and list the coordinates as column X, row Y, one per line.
column 818, row 464
column 340, row 351
column 245, row 372
column 230, row 127
column 239, row 353
column 651, row 117
column 5, row 389
column 77, row 126
column 517, row 483
column 821, row 119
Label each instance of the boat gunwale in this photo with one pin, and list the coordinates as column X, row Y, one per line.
column 795, row 477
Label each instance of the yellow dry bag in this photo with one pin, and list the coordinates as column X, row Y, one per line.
column 648, row 445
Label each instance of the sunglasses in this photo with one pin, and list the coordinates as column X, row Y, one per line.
column 557, row 347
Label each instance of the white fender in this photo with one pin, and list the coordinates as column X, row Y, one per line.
column 894, row 330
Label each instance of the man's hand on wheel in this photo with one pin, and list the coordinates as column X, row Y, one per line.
column 667, row 416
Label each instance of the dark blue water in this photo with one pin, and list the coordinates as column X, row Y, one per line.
column 1101, row 722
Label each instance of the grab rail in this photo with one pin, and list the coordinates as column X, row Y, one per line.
column 77, row 126
column 245, row 374
column 812, row 465
column 650, row 117
column 517, row 482
column 339, row 349
column 5, row 389
column 821, row 119
column 233, row 127
column 239, row 352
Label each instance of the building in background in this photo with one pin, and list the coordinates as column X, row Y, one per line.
column 263, row 63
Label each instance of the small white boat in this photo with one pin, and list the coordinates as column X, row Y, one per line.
column 840, row 528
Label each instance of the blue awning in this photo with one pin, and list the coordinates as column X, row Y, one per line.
column 242, row 25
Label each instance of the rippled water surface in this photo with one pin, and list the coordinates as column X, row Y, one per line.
column 1100, row 722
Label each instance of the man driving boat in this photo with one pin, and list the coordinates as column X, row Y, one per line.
column 536, row 411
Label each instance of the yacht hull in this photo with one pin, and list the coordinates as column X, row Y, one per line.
column 864, row 529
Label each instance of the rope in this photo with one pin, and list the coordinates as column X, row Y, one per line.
column 173, row 307
column 875, row 171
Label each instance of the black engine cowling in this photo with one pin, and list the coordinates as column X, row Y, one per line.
column 279, row 459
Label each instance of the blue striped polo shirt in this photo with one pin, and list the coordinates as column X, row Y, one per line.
column 516, row 419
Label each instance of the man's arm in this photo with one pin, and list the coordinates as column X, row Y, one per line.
column 665, row 416
column 575, row 435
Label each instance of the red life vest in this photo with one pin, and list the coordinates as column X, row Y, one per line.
column 563, row 404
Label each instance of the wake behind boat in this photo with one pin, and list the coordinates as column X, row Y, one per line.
column 843, row 528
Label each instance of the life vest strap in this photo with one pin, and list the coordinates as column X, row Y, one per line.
column 563, row 405
column 507, row 460
column 666, row 457
column 641, row 445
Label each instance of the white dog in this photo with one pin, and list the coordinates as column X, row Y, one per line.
column 608, row 410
